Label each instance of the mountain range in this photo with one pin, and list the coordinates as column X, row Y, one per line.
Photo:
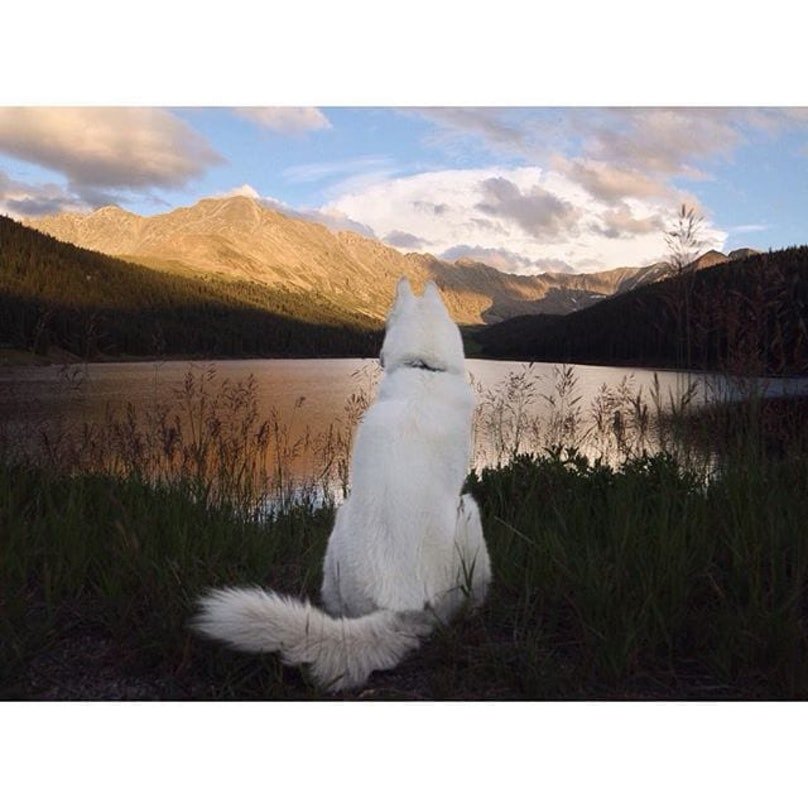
column 747, row 316
column 57, row 297
column 238, row 239
column 230, row 278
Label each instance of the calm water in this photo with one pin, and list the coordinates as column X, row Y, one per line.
column 304, row 393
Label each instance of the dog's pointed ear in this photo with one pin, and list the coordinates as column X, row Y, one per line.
column 403, row 296
column 403, row 290
column 403, row 293
column 431, row 291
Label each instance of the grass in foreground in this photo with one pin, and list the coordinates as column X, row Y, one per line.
column 639, row 582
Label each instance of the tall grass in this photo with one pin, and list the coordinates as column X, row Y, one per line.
column 620, row 422
column 641, row 547
column 645, row 580
column 210, row 436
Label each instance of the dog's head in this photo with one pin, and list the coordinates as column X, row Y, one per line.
column 420, row 332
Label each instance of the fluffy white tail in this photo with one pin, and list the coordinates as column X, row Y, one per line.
column 341, row 651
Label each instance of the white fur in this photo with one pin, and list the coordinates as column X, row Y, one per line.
column 406, row 549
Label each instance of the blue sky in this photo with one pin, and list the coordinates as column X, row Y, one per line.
column 525, row 189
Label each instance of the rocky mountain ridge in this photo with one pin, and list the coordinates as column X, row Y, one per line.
column 240, row 239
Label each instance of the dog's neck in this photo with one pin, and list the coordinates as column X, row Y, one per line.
column 419, row 364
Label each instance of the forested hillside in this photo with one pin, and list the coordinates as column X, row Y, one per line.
column 56, row 294
column 747, row 315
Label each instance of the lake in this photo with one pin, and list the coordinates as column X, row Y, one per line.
column 522, row 406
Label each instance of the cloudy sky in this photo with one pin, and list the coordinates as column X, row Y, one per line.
column 524, row 189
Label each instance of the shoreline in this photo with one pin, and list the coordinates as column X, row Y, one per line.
column 17, row 358
column 13, row 357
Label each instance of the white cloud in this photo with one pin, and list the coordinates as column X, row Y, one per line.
column 332, row 219
column 610, row 183
column 539, row 212
column 405, row 241
column 749, row 228
column 661, row 142
column 604, row 198
column 359, row 166
column 621, row 222
column 20, row 199
column 99, row 149
column 525, row 218
column 483, row 122
column 242, row 190
column 504, row 260
column 615, row 154
column 664, row 142
column 286, row 120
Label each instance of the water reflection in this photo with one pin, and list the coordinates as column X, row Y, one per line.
column 289, row 422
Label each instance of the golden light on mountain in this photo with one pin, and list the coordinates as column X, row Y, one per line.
column 238, row 238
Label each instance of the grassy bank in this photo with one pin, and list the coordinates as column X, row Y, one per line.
column 634, row 582
column 677, row 570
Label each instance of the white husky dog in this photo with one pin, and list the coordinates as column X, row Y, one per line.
column 406, row 551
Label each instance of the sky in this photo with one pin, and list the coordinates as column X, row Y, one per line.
column 525, row 189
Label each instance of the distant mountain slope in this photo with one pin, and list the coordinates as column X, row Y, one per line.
column 237, row 238
column 749, row 314
column 53, row 293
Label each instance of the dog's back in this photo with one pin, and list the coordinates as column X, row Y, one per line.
column 393, row 544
